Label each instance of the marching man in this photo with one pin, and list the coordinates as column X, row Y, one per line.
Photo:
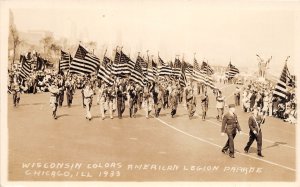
column 88, row 98
column 230, row 125
column 54, row 91
column 190, row 101
column 102, row 99
column 255, row 133
column 204, row 104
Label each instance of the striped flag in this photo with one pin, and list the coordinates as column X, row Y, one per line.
column 176, row 69
column 198, row 74
column 207, row 68
column 189, row 71
column 65, row 60
column 137, row 74
column 281, row 86
column 209, row 80
column 150, row 71
column 231, row 71
column 122, row 65
column 154, row 67
column 182, row 79
column 25, row 69
column 84, row 62
column 163, row 69
column 143, row 64
column 104, row 72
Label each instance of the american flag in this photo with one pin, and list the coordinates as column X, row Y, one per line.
column 188, row 71
column 163, row 69
column 231, row 71
column 122, row 65
column 65, row 60
column 151, row 72
column 26, row 68
column 208, row 72
column 104, row 71
column 177, row 68
column 198, row 74
column 84, row 62
column 281, row 86
column 142, row 63
column 137, row 74
column 205, row 67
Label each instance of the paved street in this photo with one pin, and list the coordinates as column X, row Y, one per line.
column 176, row 149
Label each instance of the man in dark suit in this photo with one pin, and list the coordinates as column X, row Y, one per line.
column 230, row 125
column 255, row 133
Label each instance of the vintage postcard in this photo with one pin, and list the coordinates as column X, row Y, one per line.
column 137, row 92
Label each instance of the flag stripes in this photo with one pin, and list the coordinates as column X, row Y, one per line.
column 231, row 71
column 281, row 86
column 137, row 74
column 104, row 71
column 84, row 62
column 163, row 69
column 122, row 64
column 207, row 68
column 25, row 69
column 65, row 60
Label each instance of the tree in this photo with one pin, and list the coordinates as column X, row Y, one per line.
column 15, row 39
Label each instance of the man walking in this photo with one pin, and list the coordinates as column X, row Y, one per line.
column 230, row 125
column 255, row 133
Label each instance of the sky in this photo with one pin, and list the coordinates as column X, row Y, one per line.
column 215, row 32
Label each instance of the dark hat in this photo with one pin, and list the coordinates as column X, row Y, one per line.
column 231, row 105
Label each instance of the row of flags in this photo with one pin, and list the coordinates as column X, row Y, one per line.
column 142, row 71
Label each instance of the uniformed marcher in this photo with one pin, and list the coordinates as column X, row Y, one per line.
column 147, row 103
column 69, row 91
column 230, row 125
column 173, row 101
column 88, row 98
column 54, row 91
column 61, row 86
column 111, row 96
column 204, row 104
column 121, row 97
column 158, row 99
column 220, row 105
column 102, row 97
column 237, row 96
column 190, row 101
column 255, row 133
column 15, row 90
column 133, row 100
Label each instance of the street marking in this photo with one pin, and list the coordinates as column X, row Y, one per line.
column 133, row 139
column 211, row 143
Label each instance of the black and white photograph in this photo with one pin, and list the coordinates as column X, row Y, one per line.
column 149, row 91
